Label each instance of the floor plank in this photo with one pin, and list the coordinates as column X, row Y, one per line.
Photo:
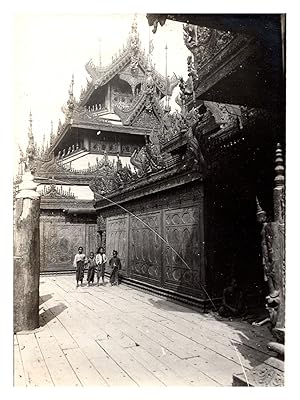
column 87, row 374
column 19, row 374
column 36, row 371
column 138, row 373
column 120, row 336
column 59, row 368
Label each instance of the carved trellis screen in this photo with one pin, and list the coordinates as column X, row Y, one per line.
column 150, row 259
column 60, row 241
column 117, row 239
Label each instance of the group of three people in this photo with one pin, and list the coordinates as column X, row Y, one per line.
column 96, row 265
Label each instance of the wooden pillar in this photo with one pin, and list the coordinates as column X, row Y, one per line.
column 26, row 256
column 279, row 240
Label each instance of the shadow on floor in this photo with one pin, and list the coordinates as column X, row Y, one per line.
column 51, row 313
column 45, row 298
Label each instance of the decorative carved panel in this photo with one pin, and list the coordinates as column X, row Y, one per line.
column 100, row 146
column 182, row 231
column 146, row 247
column 146, row 120
column 117, row 239
column 91, row 238
column 59, row 242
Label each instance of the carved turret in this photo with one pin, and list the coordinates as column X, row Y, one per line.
column 31, row 148
column 51, row 134
column 69, row 107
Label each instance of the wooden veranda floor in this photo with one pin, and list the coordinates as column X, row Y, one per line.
column 119, row 336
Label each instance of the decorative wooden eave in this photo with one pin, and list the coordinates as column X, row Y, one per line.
column 160, row 181
column 66, row 204
column 131, row 130
column 77, row 211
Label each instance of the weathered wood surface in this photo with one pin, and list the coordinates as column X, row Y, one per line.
column 26, row 263
column 119, row 336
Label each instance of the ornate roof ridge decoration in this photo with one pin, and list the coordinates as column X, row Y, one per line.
column 35, row 154
column 84, row 114
column 133, row 56
column 205, row 43
column 147, row 161
column 147, row 100
column 68, row 108
column 57, row 193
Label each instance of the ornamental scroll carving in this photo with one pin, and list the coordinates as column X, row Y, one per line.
column 59, row 243
column 105, row 146
column 204, row 42
column 148, row 159
column 146, row 247
column 265, row 375
column 182, row 232
column 116, row 239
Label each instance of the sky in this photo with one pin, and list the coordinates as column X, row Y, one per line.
column 49, row 48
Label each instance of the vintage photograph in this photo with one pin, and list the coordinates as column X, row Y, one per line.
column 149, row 200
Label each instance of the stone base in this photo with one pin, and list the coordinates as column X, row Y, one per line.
column 269, row 373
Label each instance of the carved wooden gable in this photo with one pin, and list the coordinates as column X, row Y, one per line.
column 146, row 120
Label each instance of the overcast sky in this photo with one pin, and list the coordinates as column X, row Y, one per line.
column 49, row 48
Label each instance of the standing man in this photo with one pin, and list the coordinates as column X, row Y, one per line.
column 79, row 263
column 100, row 262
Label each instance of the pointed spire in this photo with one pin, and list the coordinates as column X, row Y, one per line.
column 134, row 36
column 134, row 24
column 51, row 134
column 259, row 210
column 99, row 49
column 43, row 145
column 69, row 107
column 30, row 134
column 31, row 147
column 150, row 47
column 71, row 86
column 167, row 80
column 261, row 215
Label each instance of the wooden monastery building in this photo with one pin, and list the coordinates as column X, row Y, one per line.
column 174, row 192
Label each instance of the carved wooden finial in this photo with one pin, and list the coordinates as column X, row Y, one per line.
column 259, row 210
column 71, row 86
column 279, row 167
column 30, row 135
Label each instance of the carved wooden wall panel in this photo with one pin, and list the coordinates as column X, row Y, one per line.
column 117, row 239
column 91, row 238
column 59, row 242
column 182, row 231
column 145, row 248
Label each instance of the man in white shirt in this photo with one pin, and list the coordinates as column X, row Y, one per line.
column 100, row 261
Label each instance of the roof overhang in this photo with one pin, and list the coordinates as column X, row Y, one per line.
column 76, row 211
